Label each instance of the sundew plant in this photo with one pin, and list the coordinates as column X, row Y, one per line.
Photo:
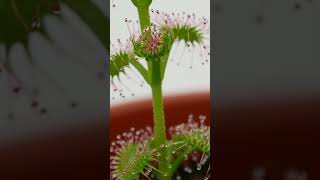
column 148, row 152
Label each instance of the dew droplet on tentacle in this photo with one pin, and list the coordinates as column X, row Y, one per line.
column 181, row 56
column 136, row 77
column 16, row 90
column 178, row 177
column 125, row 87
column 180, row 147
column 165, row 174
column 116, row 89
column 132, row 29
column 187, row 169
column 35, row 23
column 192, row 59
column 200, row 164
column 207, row 173
column 113, row 4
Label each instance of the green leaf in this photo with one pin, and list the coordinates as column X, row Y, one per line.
column 121, row 60
column 118, row 63
column 185, row 32
column 126, row 156
column 96, row 20
column 21, row 17
column 188, row 34
column 131, row 161
column 143, row 46
column 197, row 139
column 18, row 18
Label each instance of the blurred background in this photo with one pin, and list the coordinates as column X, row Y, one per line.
column 266, row 90
column 264, row 50
column 53, row 93
column 57, row 71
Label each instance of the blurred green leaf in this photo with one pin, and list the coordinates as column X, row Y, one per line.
column 19, row 18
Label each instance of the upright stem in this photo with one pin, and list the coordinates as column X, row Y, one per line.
column 155, row 73
column 159, row 120
column 156, row 85
column 158, row 108
column 144, row 17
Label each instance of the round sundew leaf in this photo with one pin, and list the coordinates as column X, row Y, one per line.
column 130, row 161
column 184, row 27
column 187, row 140
column 131, row 154
column 196, row 140
column 188, row 34
column 119, row 61
column 127, row 154
column 154, row 46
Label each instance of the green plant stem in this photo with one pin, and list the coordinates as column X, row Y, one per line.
column 154, row 69
column 164, row 62
column 159, row 119
column 158, row 108
column 155, row 73
column 144, row 17
column 142, row 70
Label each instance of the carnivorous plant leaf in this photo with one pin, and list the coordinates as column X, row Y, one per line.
column 130, row 155
column 19, row 18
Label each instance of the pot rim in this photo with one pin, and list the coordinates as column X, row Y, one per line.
column 169, row 100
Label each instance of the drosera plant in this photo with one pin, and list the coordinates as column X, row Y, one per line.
column 149, row 152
